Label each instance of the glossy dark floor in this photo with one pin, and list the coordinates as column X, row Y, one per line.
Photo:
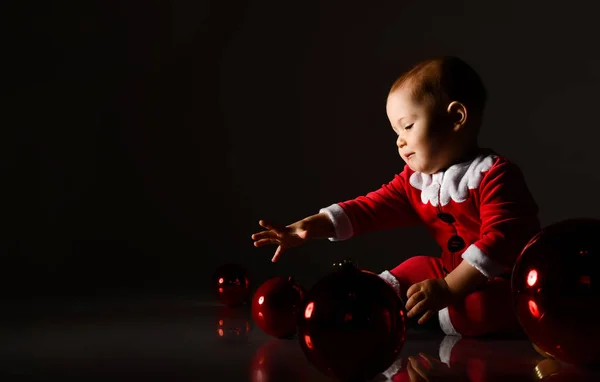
column 184, row 339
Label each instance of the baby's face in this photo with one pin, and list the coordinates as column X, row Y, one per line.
column 424, row 139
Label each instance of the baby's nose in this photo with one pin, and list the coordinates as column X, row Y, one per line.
column 401, row 142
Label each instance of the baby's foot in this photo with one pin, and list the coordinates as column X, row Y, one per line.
column 393, row 282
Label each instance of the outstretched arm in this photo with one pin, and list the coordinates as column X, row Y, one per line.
column 312, row 227
column 386, row 208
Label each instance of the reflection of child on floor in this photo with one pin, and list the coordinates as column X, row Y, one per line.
column 469, row 359
column 473, row 201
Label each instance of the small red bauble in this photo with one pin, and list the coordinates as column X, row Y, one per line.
column 275, row 306
column 232, row 285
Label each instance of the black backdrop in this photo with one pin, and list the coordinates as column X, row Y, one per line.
column 142, row 141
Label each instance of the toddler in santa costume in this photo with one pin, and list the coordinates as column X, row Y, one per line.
column 473, row 201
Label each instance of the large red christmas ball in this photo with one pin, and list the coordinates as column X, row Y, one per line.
column 351, row 325
column 275, row 306
column 555, row 291
column 232, row 284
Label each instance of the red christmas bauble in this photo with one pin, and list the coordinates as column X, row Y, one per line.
column 351, row 325
column 233, row 325
column 275, row 306
column 555, row 292
column 232, row 284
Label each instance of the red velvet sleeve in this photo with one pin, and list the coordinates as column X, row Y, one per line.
column 385, row 208
column 509, row 217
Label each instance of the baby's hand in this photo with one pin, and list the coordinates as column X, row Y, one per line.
column 428, row 368
column 285, row 237
column 427, row 297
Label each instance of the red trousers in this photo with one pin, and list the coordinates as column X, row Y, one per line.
column 488, row 310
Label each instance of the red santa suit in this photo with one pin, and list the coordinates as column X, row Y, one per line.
column 480, row 211
column 466, row 359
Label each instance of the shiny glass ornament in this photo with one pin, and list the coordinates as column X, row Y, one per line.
column 351, row 325
column 275, row 305
column 556, row 291
column 231, row 285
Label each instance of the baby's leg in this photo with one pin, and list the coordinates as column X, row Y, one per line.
column 486, row 311
column 409, row 272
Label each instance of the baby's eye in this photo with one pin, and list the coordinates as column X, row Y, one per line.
column 408, row 127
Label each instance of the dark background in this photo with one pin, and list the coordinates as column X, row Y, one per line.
column 142, row 141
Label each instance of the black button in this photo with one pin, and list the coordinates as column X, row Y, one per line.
column 456, row 243
column 446, row 218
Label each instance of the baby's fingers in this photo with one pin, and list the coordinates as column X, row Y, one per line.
column 431, row 361
column 265, row 224
column 413, row 300
column 413, row 289
column 271, row 226
column 263, row 242
column 278, row 253
column 264, row 235
column 417, row 309
column 416, row 371
column 424, row 318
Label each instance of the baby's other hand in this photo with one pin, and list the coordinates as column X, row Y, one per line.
column 427, row 297
column 284, row 237
column 428, row 368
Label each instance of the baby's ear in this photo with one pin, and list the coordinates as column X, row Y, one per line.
column 457, row 112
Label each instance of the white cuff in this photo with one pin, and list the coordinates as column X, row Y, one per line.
column 484, row 264
column 392, row 280
column 394, row 368
column 341, row 222
column 446, row 324
column 446, row 347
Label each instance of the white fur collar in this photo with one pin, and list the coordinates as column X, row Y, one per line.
column 454, row 183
